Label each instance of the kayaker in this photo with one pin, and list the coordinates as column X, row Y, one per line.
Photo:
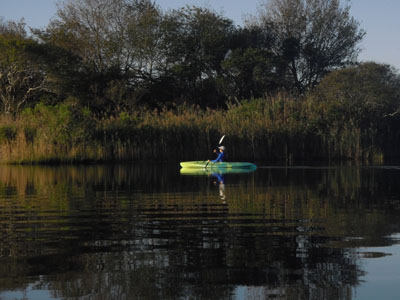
column 221, row 154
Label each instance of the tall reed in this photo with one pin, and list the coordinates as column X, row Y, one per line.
column 280, row 128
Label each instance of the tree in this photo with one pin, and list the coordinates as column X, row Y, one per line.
column 197, row 41
column 113, row 44
column 131, row 53
column 313, row 37
column 98, row 30
column 21, row 82
column 251, row 69
column 364, row 94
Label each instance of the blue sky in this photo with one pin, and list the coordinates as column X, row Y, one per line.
column 378, row 18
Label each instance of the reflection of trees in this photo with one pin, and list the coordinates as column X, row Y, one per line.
column 123, row 232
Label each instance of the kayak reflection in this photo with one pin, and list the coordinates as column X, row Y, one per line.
column 217, row 174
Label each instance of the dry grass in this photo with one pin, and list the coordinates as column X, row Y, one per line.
column 279, row 128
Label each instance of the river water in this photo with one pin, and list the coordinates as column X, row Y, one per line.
column 153, row 232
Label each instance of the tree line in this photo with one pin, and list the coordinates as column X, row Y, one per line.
column 105, row 76
column 121, row 54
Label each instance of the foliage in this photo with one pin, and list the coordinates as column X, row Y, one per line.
column 125, row 55
column 8, row 133
column 21, row 83
column 197, row 41
column 363, row 94
column 129, row 81
column 249, row 73
column 313, row 37
column 100, row 51
column 363, row 99
column 325, row 124
column 62, row 124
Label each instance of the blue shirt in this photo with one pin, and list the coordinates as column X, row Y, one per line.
column 220, row 157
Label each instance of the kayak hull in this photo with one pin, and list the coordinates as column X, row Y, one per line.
column 214, row 171
column 218, row 165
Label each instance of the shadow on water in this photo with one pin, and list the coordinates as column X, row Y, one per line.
column 150, row 232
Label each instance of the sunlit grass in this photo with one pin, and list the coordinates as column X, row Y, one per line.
column 277, row 128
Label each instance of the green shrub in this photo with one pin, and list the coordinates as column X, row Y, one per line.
column 8, row 133
column 30, row 134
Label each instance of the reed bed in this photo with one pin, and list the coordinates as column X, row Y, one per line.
column 279, row 128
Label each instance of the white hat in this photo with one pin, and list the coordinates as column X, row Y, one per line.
column 222, row 148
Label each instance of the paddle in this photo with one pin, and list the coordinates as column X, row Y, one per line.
column 220, row 141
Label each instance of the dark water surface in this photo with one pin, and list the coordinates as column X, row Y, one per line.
column 149, row 232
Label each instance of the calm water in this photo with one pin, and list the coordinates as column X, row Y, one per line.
column 150, row 232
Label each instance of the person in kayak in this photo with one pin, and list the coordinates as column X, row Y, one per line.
column 220, row 157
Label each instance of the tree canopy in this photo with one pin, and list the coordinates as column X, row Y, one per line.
column 119, row 55
column 21, row 81
column 362, row 94
column 312, row 37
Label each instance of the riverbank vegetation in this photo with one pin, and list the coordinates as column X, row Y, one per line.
column 129, row 81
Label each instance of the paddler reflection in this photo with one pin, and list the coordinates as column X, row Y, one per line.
column 221, row 184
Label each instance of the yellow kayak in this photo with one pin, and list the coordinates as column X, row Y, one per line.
column 209, row 171
column 218, row 165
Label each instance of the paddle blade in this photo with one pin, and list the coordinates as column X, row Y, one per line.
column 220, row 141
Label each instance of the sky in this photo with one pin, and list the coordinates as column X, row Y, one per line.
column 378, row 18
